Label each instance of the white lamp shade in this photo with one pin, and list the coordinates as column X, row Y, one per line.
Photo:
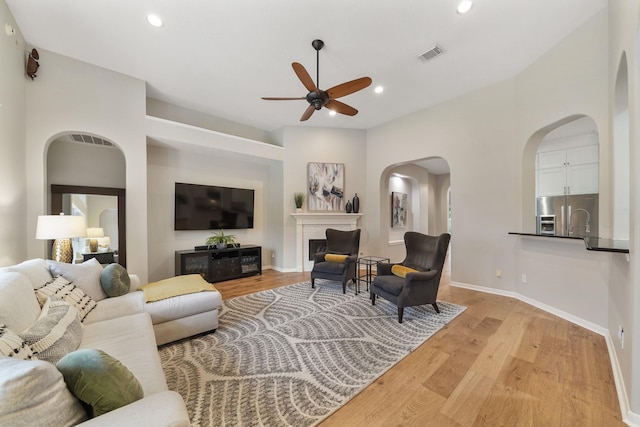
column 60, row 227
column 95, row 232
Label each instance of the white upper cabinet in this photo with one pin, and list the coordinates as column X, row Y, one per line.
column 582, row 155
column 552, row 181
column 552, row 159
column 568, row 171
column 582, row 179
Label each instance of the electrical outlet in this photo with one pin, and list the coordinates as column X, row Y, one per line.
column 499, row 273
column 524, row 278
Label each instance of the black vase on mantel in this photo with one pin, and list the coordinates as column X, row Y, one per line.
column 348, row 206
column 356, row 204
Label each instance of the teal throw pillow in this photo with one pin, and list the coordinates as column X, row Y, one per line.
column 100, row 381
column 115, row 280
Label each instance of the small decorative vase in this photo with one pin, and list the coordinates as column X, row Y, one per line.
column 356, row 204
column 221, row 246
column 348, row 206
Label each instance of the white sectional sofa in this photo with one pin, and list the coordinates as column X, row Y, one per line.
column 124, row 327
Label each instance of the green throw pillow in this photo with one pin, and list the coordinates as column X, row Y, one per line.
column 115, row 280
column 100, row 381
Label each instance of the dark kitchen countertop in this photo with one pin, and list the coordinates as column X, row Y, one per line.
column 592, row 243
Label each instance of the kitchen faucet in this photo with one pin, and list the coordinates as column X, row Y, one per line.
column 587, row 226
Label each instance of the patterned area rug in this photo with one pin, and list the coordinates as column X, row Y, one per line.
column 292, row 356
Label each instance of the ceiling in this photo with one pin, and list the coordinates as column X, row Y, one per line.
column 220, row 57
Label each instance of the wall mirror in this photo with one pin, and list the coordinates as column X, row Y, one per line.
column 102, row 207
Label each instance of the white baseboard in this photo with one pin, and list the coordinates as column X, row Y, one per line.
column 629, row 418
column 279, row 269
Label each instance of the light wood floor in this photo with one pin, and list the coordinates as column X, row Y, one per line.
column 500, row 363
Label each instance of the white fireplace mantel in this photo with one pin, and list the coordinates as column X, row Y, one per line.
column 312, row 225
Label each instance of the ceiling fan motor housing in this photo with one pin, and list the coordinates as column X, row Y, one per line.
column 317, row 99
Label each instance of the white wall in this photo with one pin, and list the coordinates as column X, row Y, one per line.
column 13, row 201
column 624, row 279
column 440, row 187
column 165, row 167
column 167, row 111
column 409, row 187
column 70, row 95
column 70, row 163
column 475, row 135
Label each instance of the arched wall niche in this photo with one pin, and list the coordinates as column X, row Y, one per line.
column 621, row 154
column 88, row 167
column 426, row 182
column 559, row 129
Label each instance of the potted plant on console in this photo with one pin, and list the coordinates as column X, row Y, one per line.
column 221, row 240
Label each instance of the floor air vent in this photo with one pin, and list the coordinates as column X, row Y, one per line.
column 431, row 53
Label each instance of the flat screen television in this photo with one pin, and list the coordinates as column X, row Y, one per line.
column 205, row 207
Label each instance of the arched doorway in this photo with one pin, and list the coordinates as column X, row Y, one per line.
column 425, row 186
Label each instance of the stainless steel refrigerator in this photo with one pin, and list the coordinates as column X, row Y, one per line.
column 574, row 215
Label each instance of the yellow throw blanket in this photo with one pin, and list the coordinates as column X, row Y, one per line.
column 175, row 286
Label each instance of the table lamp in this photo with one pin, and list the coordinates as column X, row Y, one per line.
column 93, row 233
column 61, row 228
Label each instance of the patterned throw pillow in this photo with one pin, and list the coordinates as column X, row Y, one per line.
column 57, row 331
column 34, row 394
column 402, row 271
column 12, row 345
column 63, row 289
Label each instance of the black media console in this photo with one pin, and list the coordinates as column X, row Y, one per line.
column 217, row 265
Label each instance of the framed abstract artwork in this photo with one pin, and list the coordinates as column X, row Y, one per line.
column 325, row 182
column 398, row 209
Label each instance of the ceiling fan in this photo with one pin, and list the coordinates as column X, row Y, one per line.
column 318, row 98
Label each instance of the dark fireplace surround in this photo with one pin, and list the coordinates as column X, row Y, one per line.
column 315, row 246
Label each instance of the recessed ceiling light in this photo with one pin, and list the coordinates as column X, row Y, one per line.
column 378, row 89
column 332, row 113
column 464, row 6
column 154, row 20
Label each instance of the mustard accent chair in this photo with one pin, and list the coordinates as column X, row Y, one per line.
column 339, row 243
column 427, row 255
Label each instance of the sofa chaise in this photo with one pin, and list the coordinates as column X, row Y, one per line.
column 123, row 328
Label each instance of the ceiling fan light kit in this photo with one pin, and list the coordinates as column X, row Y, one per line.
column 318, row 98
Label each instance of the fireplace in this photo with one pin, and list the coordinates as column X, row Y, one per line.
column 315, row 246
column 310, row 231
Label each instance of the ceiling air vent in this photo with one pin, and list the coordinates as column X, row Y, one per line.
column 431, row 53
column 88, row 139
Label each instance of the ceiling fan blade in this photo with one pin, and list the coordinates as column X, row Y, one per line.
column 304, row 77
column 348, row 88
column 341, row 107
column 267, row 98
column 307, row 113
